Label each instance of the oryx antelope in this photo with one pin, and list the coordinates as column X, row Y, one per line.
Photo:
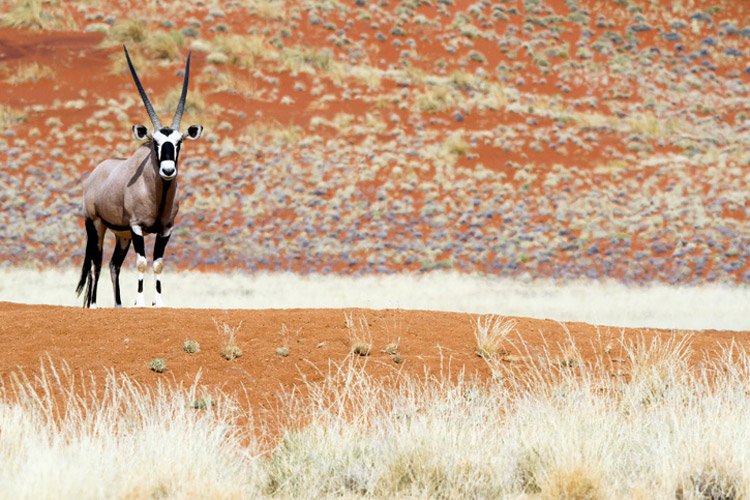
column 133, row 197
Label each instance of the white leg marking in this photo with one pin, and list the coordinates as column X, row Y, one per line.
column 158, row 268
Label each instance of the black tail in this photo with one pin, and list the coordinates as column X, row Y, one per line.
column 92, row 242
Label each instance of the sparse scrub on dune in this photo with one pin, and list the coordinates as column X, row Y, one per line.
column 274, row 10
column 230, row 350
column 128, row 31
column 303, row 59
column 283, row 350
column 491, row 333
column 29, row 73
column 538, row 430
column 158, row 365
column 571, row 433
column 360, row 338
column 194, row 107
column 114, row 438
column 34, row 14
column 166, row 45
column 11, row 116
column 240, row 50
column 191, row 346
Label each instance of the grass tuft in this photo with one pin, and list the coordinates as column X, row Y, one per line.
column 360, row 338
column 230, row 351
column 191, row 346
column 158, row 365
column 31, row 14
column 491, row 333
column 30, row 73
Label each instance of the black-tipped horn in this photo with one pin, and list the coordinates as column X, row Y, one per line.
column 144, row 97
column 183, row 96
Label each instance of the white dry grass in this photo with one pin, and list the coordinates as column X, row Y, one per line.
column 604, row 303
column 549, row 431
column 66, row 437
column 491, row 333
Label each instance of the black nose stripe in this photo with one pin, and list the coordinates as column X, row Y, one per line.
column 167, row 152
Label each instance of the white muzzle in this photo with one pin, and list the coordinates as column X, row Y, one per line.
column 167, row 170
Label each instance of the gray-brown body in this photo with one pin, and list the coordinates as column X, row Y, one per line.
column 133, row 197
column 126, row 193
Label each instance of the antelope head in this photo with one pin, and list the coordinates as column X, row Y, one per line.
column 166, row 141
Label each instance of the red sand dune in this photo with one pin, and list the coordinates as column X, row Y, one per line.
column 126, row 340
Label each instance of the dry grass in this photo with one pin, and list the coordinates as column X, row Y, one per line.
column 230, row 350
column 241, row 51
column 11, row 116
column 541, row 431
column 35, row 14
column 491, row 333
column 29, row 73
column 360, row 337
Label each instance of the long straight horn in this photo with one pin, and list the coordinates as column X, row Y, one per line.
column 183, row 96
column 144, row 97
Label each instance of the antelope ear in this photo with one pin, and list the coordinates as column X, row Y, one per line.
column 140, row 132
column 194, row 132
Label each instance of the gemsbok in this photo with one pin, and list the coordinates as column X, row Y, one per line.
column 133, row 197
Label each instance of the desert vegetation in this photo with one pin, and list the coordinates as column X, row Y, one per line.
column 546, row 139
column 640, row 419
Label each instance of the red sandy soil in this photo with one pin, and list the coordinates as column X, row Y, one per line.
column 126, row 340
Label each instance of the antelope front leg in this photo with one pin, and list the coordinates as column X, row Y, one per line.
column 159, row 246
column 140, row 251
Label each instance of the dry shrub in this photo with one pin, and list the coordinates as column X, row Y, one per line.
column 360, row 337
column 491, row 333
column 195, row 106
column 11, row 116
column 230, row 350
column 37, row 15
column 129, row 31
column 29, row 73
column 166, row 45
column 240, row 50
column 578, row 483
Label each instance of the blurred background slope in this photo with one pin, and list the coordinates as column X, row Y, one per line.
column 542, row 139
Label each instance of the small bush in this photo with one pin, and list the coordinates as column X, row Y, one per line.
column 158, row 365
column 29, row 73
column 31, row 14
column 282, row 352
column 231, row 350
column 490, row 333
column 191, row 346
column 359, row 335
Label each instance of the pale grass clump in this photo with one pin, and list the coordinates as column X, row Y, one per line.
column 539, row 430
column 67, row 436
column 29, row 73
column 128, row 31
column 230, row 350
column 11, row 116
column 360, row 337
column 35, row 14
column 240, row 50
column 545, row 430
column 491, row 333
